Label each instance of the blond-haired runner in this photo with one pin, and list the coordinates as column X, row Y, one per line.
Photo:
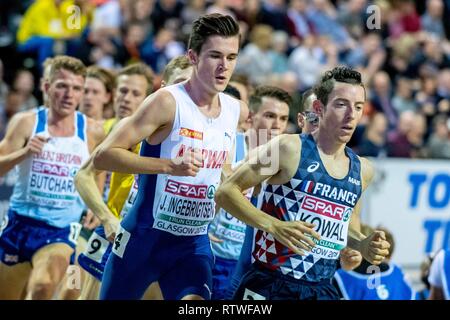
column 48, row 145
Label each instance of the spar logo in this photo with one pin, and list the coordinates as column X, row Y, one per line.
column 191, row 133
column 50, row 169
column 325, row 208
column 211, row 191
column 347, row 214
column 187, row 190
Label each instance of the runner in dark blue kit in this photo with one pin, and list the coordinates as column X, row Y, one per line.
column 310, row 207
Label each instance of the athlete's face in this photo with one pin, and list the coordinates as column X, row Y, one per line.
column 95, row 98
column 130, row 92
column 64, row 92
column 216, row 61
column 272, row 117
column 343, row 111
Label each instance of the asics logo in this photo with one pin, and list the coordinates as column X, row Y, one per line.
column 313, row 167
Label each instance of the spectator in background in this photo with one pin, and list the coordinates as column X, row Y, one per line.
column 373, row 142
column 438, row 145
column 50, row 22
column 443, row 84
column 408, row 140
column 323, row 17
column 381, row 97
column 297, row 14
column 273, row 13
column 161, row 50
column 280, row 44
column 403, row 99
column 255, row 60
column 369, row 56
column 398, row 144
column 3, row 87
column 12, row 106
column 23, row 84
column 403, row 18
column 191, row 12
column 166, row 12
column 141, row 11
column 426, row 97
column 432, row 19
column 351, row 15
column 311, row 59
column 220, row 6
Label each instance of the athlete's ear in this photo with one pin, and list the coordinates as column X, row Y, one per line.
column 318, row 107
column 193, row 57
column 46, row 86
column 300, row 120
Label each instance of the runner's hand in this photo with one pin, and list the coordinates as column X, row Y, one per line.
column 35, row 144
column 375, row 248
column 110, row 225
column 90, row 221
column 350, row 259
column 187, row 165
column 296, row 235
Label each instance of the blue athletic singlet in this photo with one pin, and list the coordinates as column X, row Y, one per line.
column 164, row 236
column 385, row 285
column 45, row 189
column 312, row 195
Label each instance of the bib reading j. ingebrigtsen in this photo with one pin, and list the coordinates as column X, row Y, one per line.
column 182, row 205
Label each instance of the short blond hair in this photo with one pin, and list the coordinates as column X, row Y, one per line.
column 181, row 62
column 71, row 64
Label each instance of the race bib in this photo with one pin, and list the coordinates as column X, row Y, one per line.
column 185, row 209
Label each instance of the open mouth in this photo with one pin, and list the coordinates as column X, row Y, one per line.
column 347, row 128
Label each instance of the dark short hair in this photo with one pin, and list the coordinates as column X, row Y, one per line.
column 304, row 98
column 232, row 91
column 255, row 100
column 140, row 69
column 214, row 24
column 329, row 78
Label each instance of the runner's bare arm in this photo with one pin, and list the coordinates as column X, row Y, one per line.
column 157, row 111
column 90, row 190
column 374, row 248
column 92, row 197
column 251, row 173
column 16, row 146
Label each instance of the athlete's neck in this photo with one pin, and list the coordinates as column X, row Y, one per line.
column 328, row 145
column 200, row 95
column 60, row 126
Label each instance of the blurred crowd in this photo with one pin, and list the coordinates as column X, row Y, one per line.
column 401, row 47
